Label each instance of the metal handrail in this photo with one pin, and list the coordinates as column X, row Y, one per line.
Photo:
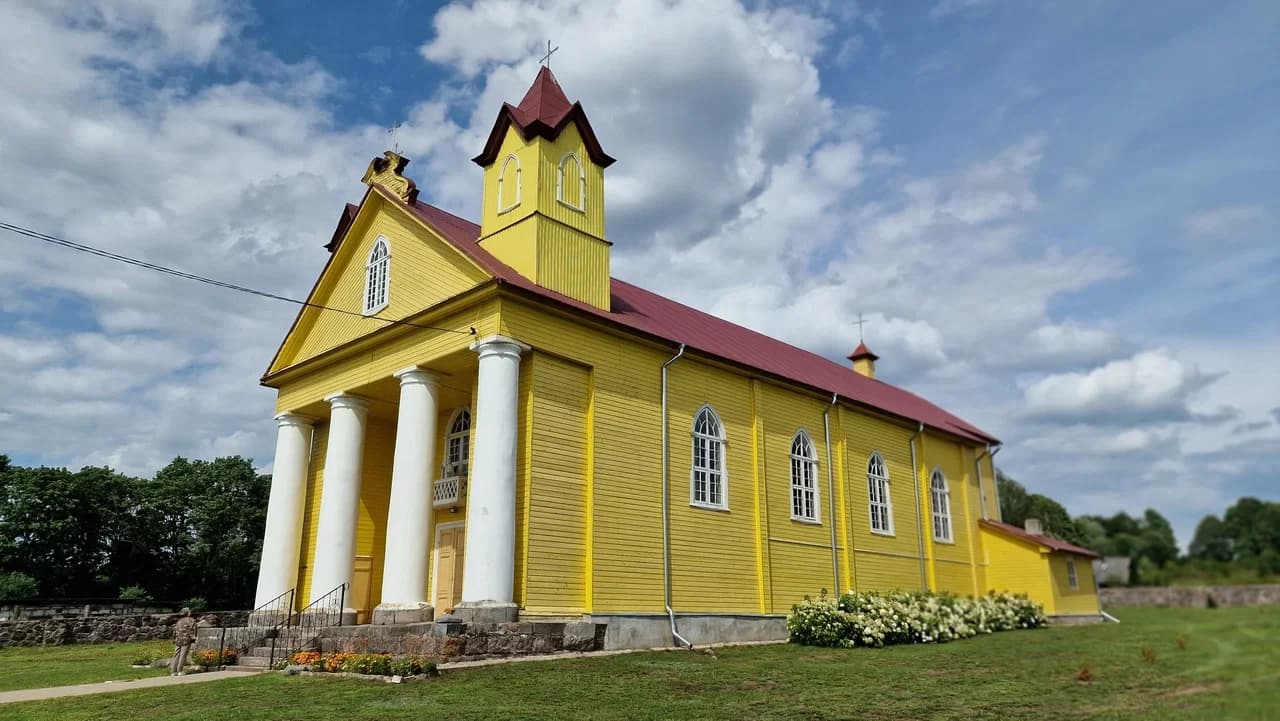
column 317, row 614
column 250, row 634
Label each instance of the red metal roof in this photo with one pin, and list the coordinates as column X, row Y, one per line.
column 650, row 313
column 545, row 111
column 1048, row 541
column 862, row 351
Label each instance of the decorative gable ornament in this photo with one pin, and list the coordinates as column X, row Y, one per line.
column 388, row 171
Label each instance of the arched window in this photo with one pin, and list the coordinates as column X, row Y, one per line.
column 707, row 479
column 804, row 479
column 457, row 445
column 941, row 498
column 377, row 273
column 878, row 498
column 571, row 183
column 509, row 184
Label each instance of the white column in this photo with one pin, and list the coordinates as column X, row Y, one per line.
column 339, row 495
column 488, row 571
column 282, row 540
column 404, row 574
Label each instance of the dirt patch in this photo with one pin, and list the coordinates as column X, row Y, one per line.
column 1197, row 689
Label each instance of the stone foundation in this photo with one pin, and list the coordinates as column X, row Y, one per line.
column 456, row 641
column 654, row 630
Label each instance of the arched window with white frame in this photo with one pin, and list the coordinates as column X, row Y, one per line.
column 457, row 445
column 509, row 184
column 377, row 276
column 804, row 479
column 571, row 183
column 941, row 502
column 879, row 501
column 707, row 479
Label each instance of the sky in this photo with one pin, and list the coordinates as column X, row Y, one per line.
column 1059, row 219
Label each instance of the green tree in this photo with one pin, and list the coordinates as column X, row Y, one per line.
column 1017, row 505
column 15, row 586
column 1211, row 542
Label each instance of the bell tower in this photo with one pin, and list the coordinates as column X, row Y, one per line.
column 543, row 210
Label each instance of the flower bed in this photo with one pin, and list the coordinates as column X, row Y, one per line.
column 211, row 658
column 369, row 664
column 884, row 619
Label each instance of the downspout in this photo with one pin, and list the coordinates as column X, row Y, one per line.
column 995, row 479
column 666, row 508
column 915, row 478
column 977, row 469
column 831, row 497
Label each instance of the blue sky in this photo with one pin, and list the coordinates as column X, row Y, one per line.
column 1059, row 218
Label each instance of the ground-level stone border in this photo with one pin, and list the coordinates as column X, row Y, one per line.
column 104, row 629
column 1191, row 596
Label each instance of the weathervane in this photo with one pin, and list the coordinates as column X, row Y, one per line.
column 546, row 59
column 395, row 146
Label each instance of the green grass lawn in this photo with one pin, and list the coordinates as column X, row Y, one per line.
column 1230, row 669
column 66, row 665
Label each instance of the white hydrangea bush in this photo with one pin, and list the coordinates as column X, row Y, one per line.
column 884, row 619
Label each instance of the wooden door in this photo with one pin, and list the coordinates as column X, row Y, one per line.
column 449, row 552
column 361, row 584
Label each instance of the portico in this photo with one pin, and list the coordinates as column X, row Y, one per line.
column 374, row 468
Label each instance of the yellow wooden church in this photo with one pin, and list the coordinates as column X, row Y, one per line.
column 479, row 420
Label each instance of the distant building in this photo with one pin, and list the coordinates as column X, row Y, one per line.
column 1112, row 570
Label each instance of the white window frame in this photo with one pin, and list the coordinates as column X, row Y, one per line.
column 1072, row 579
column 879, row 497
column 502, row 174
column 940, row 503
column 714, row 444
column 581, row 207
column 460, row 468
column 377, row 276
column 804, row 479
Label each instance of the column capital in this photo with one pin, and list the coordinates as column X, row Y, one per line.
column 294, row 419
column 417, row 375
column 347, row 400
column 498, row 345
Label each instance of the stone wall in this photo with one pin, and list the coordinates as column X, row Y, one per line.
column 459, row 641
column 103, row 629
column 15, row 611
column 1190, row 596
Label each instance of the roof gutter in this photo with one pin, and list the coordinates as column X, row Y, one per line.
column 831, row 496
column 915, row 483
column 666, row 507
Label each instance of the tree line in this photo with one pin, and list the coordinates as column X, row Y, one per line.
column 192, row 534
column 1243, row 546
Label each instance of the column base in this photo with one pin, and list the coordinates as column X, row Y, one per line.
column 390, row 614
column 326, row 618
column 486, row 612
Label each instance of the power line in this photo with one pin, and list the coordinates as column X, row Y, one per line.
column 210, row 281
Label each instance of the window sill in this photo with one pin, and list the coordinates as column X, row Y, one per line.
column 886, row 534
column 945, row 541
column 375, row 310
column 571, row 206
column 708, row 507
column 807, row 521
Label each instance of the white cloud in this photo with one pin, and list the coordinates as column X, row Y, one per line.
column 1151, row 384
column 1224, row 221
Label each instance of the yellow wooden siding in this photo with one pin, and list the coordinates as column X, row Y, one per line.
column 1084, row 598
column 524, row 479
column 375, row 497
column 557, row 509
column 712, row 551
column 591, row 219
column 527, row 152
column 412, row 346
column 944, row 454
column 800, row 551
column 881, row 562
column 311, row 514
column 424, row 270
column 573, row 263
column 1018, row 567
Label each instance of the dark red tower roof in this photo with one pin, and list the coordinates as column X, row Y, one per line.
column 544, row 112
column 862, row 351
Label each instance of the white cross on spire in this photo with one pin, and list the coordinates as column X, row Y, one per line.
column 546, row 59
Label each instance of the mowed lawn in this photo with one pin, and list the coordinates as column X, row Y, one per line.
column 67, row 665
column 1229, row 669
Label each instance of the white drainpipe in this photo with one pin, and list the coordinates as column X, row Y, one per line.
column 915, row 483
column 666, row 508
column 995, row 479
column 831, row 496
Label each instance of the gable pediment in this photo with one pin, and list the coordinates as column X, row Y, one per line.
column 423, row 270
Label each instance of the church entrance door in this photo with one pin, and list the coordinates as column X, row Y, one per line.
column 450, row 539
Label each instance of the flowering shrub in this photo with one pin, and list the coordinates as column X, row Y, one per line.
column 210, row 657
column 376, row 664
column 883, row 619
